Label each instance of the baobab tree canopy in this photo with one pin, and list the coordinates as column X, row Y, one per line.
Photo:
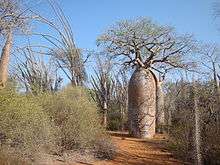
column 142, row 44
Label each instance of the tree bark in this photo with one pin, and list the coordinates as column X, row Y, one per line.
column 217, row 93
column 198, row 154
column 105, row 114
column 160, row 118
column 122, row 118
column 142, row 103
column 5, row 56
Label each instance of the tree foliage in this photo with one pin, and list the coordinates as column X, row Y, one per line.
column 142, row 43
column 13, row 16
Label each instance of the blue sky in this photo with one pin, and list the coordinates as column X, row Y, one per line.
column 89, row 18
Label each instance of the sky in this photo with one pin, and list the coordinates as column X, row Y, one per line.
column 89, row 18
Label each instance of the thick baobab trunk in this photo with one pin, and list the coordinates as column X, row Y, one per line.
column 142, row 104
column 5, row 56
column 160, row 118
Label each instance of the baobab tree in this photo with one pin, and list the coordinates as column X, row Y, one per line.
column 12, row 19
column 148, row 47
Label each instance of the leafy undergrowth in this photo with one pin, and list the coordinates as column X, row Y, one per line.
column 50, row 124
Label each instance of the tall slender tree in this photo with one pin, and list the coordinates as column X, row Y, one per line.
column 103, row 85
column 12, row 18
column 211, row 61
column 67, row 55
column 121, row 94
column 198, row 155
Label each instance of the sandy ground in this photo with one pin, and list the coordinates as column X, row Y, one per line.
column 132, row 151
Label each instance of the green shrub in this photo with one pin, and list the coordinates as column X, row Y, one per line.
column 114, row 117
column 49, row 123
column 24, row 126
column 181, row 142
column 75, row 116
column 182, row 126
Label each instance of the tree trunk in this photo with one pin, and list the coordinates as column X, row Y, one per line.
column 122, row 118
column 160, row 118
column 217, row 93
column 142, row 103
column 105, row 105
column 105, row 113
column 5, row 56
column 198, row 155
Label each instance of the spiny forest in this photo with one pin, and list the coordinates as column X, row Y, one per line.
column 146, row 94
